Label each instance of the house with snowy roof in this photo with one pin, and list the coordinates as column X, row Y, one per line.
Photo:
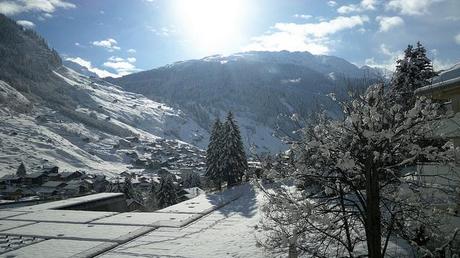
column 447, row 90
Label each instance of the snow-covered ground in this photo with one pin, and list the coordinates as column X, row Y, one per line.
column 225, row 232
column 214, row 225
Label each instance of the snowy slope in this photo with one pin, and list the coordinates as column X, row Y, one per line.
column 260, row 88
column 41, row 136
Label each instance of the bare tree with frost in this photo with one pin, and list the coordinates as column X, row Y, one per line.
column 351, row 185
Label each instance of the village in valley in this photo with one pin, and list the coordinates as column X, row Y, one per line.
column 148, row 161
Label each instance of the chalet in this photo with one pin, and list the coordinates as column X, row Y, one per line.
column 10, row 180
column 448, row 92
column 54, row 184
column 50, row 170
column 67, row 176
column 35, row 178
column 46, row 192
column 75, row 187
column 15, row 193
column 134, row 205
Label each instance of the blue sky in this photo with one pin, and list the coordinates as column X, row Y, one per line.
column 117, row 37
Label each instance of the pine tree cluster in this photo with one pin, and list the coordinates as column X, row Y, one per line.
column 413, row 71
column 225, row 157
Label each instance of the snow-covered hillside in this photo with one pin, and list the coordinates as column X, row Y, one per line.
column 41, row 136
column 262, row 89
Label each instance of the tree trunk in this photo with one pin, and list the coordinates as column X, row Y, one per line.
column 293, row 251
column 373, row 228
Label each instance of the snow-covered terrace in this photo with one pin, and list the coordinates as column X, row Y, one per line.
column 48, row 230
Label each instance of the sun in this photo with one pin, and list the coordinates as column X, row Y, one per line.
column 211, row 25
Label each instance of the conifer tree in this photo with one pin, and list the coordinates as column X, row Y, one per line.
column 413, row 71
column 191, row 179
column 152, row 201
column 21, row 170
column 214, row 170
column 233, row 154
column 128, row 189
column 166, row 194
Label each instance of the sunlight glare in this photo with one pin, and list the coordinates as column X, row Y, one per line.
column 212, row 25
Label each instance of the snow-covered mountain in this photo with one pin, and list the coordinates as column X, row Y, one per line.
column 52, row 115
column 56, row 113
column 447, row 74
column 79, row 68
column 262, row 88
column 41, row 135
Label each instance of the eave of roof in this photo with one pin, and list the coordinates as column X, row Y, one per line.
column 439, row 87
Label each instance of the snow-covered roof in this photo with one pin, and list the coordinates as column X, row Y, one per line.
column 53, row 184
column 89, row 233
column 439, row 87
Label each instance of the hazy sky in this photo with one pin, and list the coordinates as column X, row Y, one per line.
column 116, row 37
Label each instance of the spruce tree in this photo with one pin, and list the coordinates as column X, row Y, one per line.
column 233, row 154
column 21, row 172
column 191, row 179
column 166, row 194
column 413, row 71
column 152, row 201
column 128, row 189
column 214, row 170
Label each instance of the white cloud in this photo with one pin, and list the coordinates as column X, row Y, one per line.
column 410, row 7
column 389, row 61
column 131, row 51
column 364, row 5
column 26, row 24
column 163, row 31
column 332, row 3
column 457, row 39
column 440, row 64
column 121, row 66
column 452, row 18
column 87, row 64
column 109, row 44
column 303, row 16
column 116, row 59
column 10, row 7
column 312, row 37
column 387, row 23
